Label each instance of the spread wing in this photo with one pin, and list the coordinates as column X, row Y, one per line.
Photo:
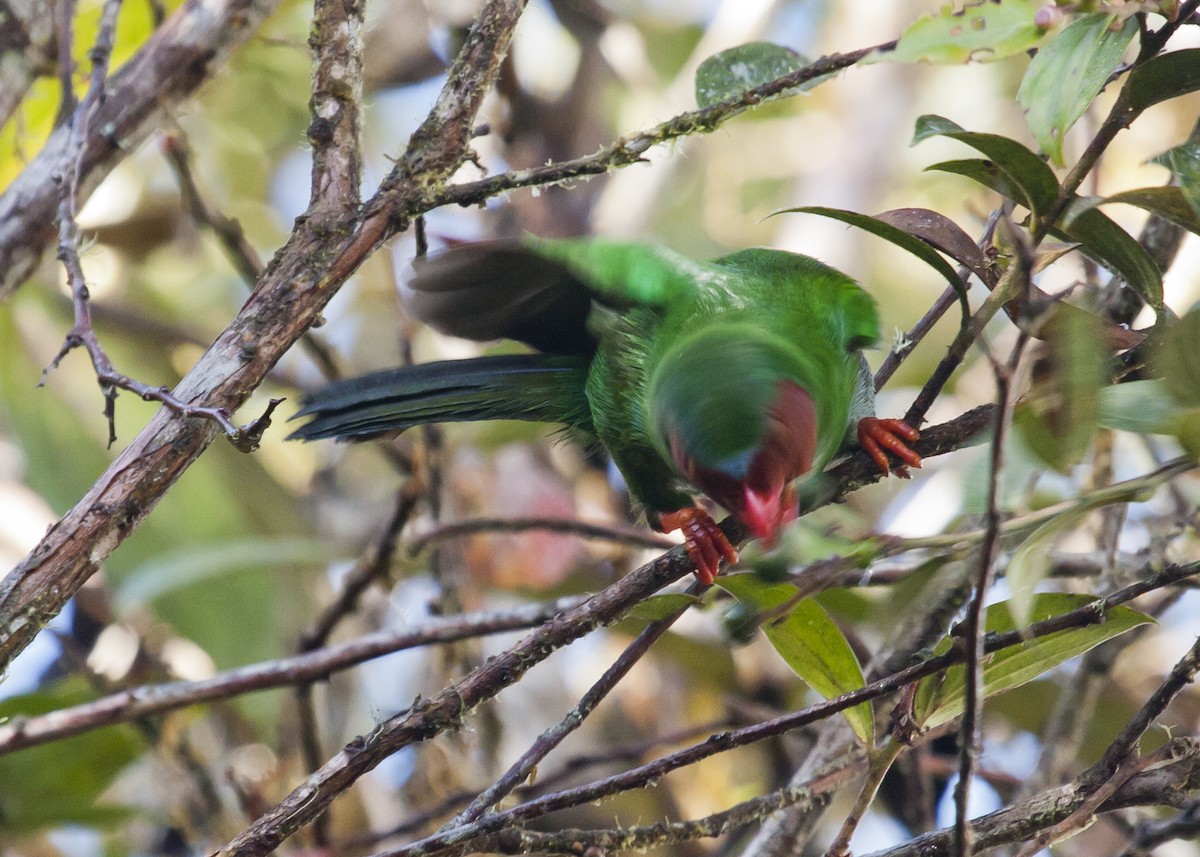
column 541, row 292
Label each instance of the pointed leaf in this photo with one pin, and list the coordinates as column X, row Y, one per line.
column 939, row 699
column 942, row 233
column 1030, row 563
column 1021, row 167
column 1146, row 407
column 987, row 174
column 1165, row 76
column 1114, row 248
column 809, row 642
column 1184, row 162
column 1031, row 560
column 897, row 236
column 1177, row 358
column 1169, row 203
column 1084, row 54
column 1057, row 417
column 731, row 72
column 980, row 31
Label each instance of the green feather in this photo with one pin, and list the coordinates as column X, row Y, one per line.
column 532, row 387
column 641, row 343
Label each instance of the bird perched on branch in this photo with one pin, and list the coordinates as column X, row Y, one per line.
column 734, row 377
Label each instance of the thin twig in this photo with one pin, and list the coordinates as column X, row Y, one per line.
column 629, row 150
column 82, row 335
column 626, row 839
column 651, row 772
column 229, row 232
column 934, row 314
column 1021, row 821
column 570, row 526
column 1083, row 815
column 1125, row 744
column 971, row 733
column 520, row 770
column 16, row 733
column 369, row 569
column 570, row 767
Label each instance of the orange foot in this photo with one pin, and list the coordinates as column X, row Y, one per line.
column 876, row 435
column 705, row 543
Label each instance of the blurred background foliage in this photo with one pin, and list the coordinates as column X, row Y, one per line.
column 240, row 556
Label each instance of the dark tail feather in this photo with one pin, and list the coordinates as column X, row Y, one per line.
column 531, row 387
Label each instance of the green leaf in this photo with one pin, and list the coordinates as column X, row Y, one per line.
column 1177, row 358
column 199, row 563
column 1184, row 162
column 659, row 607
column 731, row 72
column 809, row 642
column 1021, row 168
column 1165, row 76
column 1067, row 74
column 981, row 31
column 1031, row 561
column 1169, row 203
column 897, row 236
column 59, row 783
column 984, row 172
column 1186, row 429
column 939, row 699
column 1146, row 407
column 1114, row 248
column 1057, row 417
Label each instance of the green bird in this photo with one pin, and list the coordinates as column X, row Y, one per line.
column 734, row 377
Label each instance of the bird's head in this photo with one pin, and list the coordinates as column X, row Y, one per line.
column 736, row 422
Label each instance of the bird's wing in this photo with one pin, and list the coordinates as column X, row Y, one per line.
column 541, row 292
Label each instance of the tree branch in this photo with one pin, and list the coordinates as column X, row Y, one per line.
column 175, row 61
column 303, row 276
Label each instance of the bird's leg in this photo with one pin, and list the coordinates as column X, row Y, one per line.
column 705, row 543
column 876, row 435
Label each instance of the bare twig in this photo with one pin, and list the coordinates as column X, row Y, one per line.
column 1125, row 744
column 629, row 150
column 552, row 737
column 642, row 775
column 971, row 733
column 229, row 232
column 1023, row 820
column 1083, row 815
column 303, row 276
column 572, row 841
column 934, row 314
column 570, row 767
column 174, row 62
column 315, row 665
column 570, row 526
column 370, row 568
column 82, row 334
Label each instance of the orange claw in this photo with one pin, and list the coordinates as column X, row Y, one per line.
column 706, row 545
column 875, row 435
